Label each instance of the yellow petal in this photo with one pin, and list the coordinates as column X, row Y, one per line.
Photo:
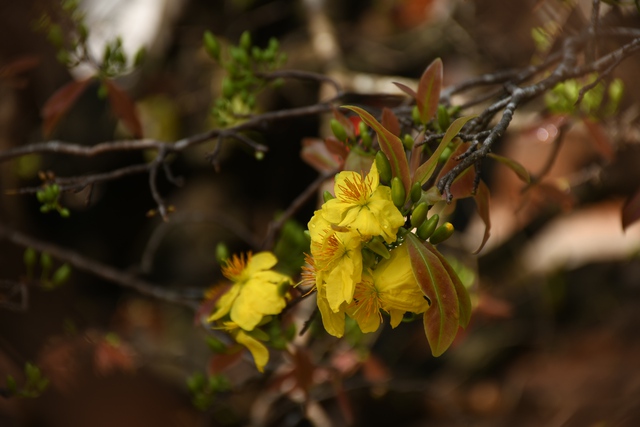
column 333, row 322
column 260, row 261
column 256, row 300
column 396, row 317
column 258, row 350
column 223, row 306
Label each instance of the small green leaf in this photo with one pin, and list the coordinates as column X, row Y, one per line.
column 425, row 170
column 514, row 166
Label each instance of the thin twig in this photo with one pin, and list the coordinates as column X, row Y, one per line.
column 187, row 298
column 276, row 225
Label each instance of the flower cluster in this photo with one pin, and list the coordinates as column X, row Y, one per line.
column 357, row 265
column 256, row 293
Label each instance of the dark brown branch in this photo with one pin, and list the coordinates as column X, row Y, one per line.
column 187, row 298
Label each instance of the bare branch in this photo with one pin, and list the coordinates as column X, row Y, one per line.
column 187, row 298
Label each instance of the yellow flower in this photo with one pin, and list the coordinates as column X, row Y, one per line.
column 363, row 205
column 255, row 292
column 338, row 256
column 333, row 321
column 391, row 287
column 258, row 350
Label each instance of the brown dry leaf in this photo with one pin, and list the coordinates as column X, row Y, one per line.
column 60, row 102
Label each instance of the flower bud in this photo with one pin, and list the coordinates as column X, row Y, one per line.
column 384, row 167
column 442, row 233
column 443, row 118
column 338, row 130
column 408, row 142
column 212, row 45
column 419, row 214
column 61, row 275
column 426, row 229
column 415, row 115
column 416, row 192
column 222, row 253
column 398, row 193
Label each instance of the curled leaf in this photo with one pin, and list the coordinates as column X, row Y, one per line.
column 442, row 319
column 426, row 169
column 390, row 145
column 60, row 102
column 514, row 166
column 429, row 88
column 124, row 108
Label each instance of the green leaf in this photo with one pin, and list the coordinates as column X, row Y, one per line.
column 390, row 145
column 429, row 88
column 426, row 169
column 514, row 166
column 442, row 319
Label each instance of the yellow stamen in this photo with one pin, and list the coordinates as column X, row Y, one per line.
column 356, row 191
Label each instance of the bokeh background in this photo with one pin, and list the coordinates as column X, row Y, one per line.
column 554, row 338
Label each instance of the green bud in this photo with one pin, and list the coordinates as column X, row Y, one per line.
column 46, row 262
column 212, row 45
column 259, row 155
column 273, row 44
column 363, row 129
column 416, row 192
column 398, row 193
column 443, row 118
column 55, row 35
column 366, row 140
column 419, row 214
column 196, row 382
column 415, row 115
column 41, row 195
column 408, row 142
column 61, row 275
column 222, row 253
column 245, row 41
column 103, row 91
column 138, row 59
column 228, row 88
column 442, row 233
column 384, row 167
column 446, row 153
column 426, row 229
column 616, row 89
column 377, row 247
column 29, row 258
column 64, row 212
column 326, row 196
column 338, row 130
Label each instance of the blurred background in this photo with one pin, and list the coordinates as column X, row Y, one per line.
column 553, row 341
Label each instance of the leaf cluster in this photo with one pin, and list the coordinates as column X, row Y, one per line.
column 247, row 67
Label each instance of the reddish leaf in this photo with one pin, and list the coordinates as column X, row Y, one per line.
column 390, row 121
column 346, row 123
column 316, row 154
column 631, row 210
column 303, row 370
column 18, row 66
column 390, row 145
column 600, row 139
column 461, row 292
column 406, row 89
column 124, row 108
column 221, row 361
column 442, row 319
column 416, row 154
column 514, row 166
column 336, row 147
column 482, row 203
column 60, row 102
column 426, row 169
column 429, row 90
